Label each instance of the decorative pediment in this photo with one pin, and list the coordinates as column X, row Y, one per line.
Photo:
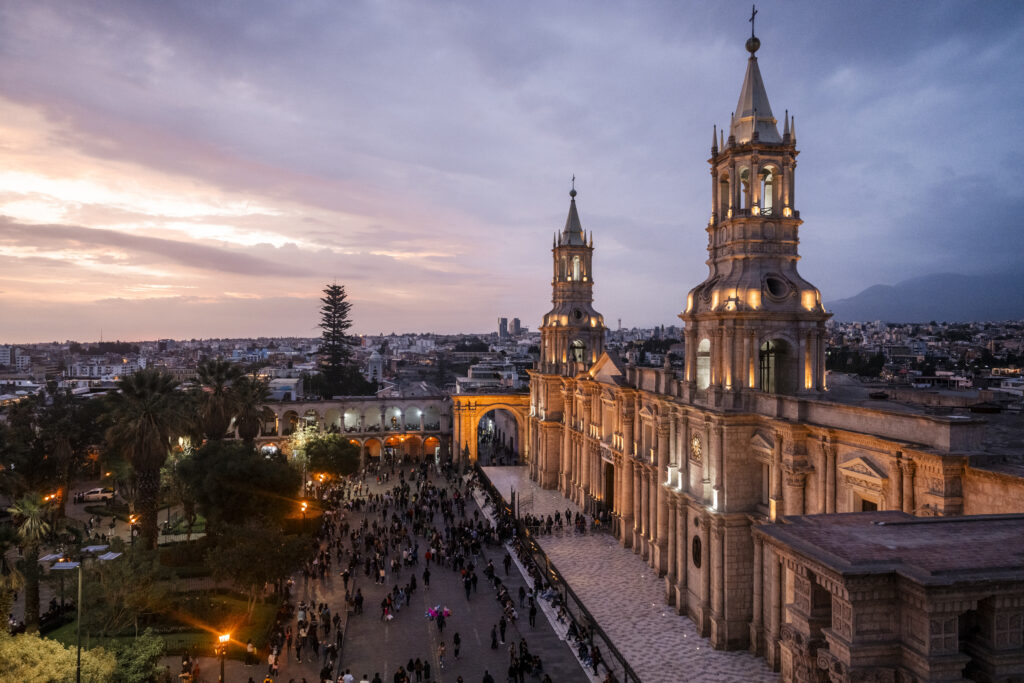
column 647, row 414
column 760, row 442
column 863, row 470
column 607, row 370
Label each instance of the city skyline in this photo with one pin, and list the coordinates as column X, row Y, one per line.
column 178, row 170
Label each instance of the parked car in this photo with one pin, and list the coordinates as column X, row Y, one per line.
column 100, row 495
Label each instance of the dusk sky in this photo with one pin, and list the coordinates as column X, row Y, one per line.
column 204, row 169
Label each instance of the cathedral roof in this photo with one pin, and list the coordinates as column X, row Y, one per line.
column 753, row 103
column 573, row 232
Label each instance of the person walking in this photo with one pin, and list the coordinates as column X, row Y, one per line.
column 440, row 654
column 502, row 624
column 456, row 644
column 494, row 637
column 533, row 614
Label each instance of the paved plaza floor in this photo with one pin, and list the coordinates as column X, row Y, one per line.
column 627, row 598
column 374, row 646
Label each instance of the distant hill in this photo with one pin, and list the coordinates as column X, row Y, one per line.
column 942, row 297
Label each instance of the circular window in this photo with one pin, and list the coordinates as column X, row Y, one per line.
column 577, row 313
column 777, row 287
column 696, row 552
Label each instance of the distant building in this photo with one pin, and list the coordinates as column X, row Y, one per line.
column 517, row 328
column 502, row 328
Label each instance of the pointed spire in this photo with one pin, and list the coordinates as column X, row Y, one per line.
column 714, row 139
column 573, row 232
column 753, row 112
column 721, row 137
column 591, row 245
column 792, row 131
column 785, row 129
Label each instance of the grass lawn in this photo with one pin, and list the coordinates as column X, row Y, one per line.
column 195, row 639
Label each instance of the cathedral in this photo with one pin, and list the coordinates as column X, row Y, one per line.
column 706, row 469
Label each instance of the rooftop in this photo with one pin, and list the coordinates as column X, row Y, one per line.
column 927, row 550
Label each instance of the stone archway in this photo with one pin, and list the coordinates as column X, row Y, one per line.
column 467, row 411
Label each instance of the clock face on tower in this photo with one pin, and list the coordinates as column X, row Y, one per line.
column 695, row 447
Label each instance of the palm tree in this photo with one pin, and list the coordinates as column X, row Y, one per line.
column 145, row 415
column 216, row 401
column 30, row 515
column 250, row 397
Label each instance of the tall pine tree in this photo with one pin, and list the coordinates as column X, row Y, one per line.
column 335, row 347
column 341, row 377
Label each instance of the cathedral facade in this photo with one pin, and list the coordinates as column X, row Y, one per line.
column 691, row 461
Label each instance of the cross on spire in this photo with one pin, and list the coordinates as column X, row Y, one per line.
column 753, row 14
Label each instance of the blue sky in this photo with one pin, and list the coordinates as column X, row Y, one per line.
column 195, row 169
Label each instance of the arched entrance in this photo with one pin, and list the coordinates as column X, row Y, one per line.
column 497, row 435
column 469, row 410
column 432, row 448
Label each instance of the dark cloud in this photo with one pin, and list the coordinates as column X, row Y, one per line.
column 450, row 130
column 188, row 254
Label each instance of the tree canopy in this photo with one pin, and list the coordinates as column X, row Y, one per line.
column 233, row 484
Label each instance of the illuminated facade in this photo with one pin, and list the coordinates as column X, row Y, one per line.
column 690, row 461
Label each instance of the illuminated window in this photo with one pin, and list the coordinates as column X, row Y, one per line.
column 767, row 191
column 576, row 275
column 704, row 364
column 578, row 350
column 745, row 188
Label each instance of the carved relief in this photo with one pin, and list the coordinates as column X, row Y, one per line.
column 696, row 449
column 842, row 618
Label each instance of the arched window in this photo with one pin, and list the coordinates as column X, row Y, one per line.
column 704, row 364
column 767, row 191
column 576, row 268
column 578, row 351
column 745, row 189
column 723, row 197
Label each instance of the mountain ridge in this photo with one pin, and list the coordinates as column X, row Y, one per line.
column 943, row 297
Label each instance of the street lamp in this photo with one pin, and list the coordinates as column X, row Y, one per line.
column 66, row 566
column 304, row 516
column 132, row 519
column 224, row 639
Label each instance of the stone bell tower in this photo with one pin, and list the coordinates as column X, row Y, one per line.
column 754, row 323
column 572, row 334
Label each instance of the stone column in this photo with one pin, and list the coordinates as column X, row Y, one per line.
column 671, row 569
column 564, row 467
column 719, row 638
column 775, row 501
column 822, row 478
column 896, row 470
column 794, row 499
column 682, row 566
column 719, row 466
column 830, row 479
column 909, row 505
column 775, row 613
column 757, row 622
column 691, row 355
column 645, row 509
column 627, row 502
column 661, row 560
column 705, row 575
column 638, row 507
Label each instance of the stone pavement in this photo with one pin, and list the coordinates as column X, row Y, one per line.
column 627, row 599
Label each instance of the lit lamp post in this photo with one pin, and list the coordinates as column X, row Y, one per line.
column 304, row 505
column 67, row 566
column 132, row 519
column 223, row 639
